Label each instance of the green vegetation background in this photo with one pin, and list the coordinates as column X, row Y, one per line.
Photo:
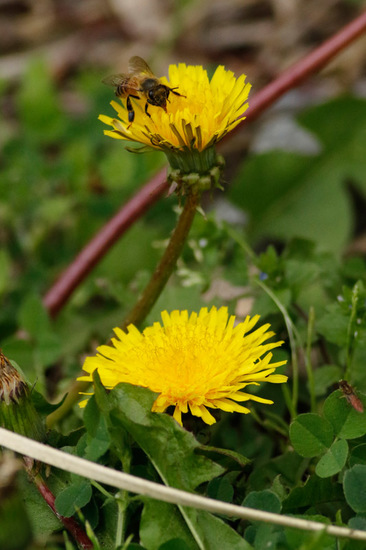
column 292, row 262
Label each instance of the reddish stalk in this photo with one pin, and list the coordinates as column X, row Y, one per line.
column 59, row 293
column 70, row 524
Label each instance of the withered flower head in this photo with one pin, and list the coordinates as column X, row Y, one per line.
column 12, row 386
column 17, row 412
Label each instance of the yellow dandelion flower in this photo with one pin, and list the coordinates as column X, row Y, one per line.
column 191, row 123
column 193, row 362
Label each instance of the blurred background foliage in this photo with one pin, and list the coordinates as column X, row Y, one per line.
column 297, row 173
column 286, row 239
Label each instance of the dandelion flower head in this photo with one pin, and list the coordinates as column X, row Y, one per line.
column 205, row 111
column 194, row 362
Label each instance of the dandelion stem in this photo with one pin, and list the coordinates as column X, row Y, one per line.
column 72, row 397
column 122, row 503
column 166, row 265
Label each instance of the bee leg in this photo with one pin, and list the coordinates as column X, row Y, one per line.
column 176, row 93
column 146, row 111
column 131, row 112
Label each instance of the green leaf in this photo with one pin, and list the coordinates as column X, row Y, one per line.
column 98, row 440
column 161, row 522
column 334, row 459
column 324, row 377
column 354, row 484
column 164, row 441
column 348, row 116
column 290, row 465
column 311, row 435
column 306, row 196
column 167, row 445
column 48, row 348
column 333, row 325
column 263, row 500
column 43, row 520
column 294, row 190
column 263, row 535
column 5, row 270
column 106, row 530
column 75, row 496
column 358, row 522
column 314, row 492
column 347, row 423
column 38, row 104
column 358, row 455
column 174, row 544
column 41, row 404
column 213, row 532
column 220, row 489
column 224, row 456
column 305, row 540
column 33, row 317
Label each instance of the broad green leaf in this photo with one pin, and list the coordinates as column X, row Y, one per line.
column 220, row 488
column 174, row 544
column 306, row 196
column 311, row 435
column 33, row 316
column 346, row 115
column 358, row 455
column 5, row 267
column 38, row 104
column 263, row 500
column 347, row 423
column 334, row 459
column 324, row 377
column 98, row 439
column 106, row 530
column 213, row 532
column 290, row 465
column 354, row 483
column 314, row 492
column 43, row 520
column 47, row 349
column 167, row 445
column 333, row 325
column 263, row 535
column 224, row 456
column 15, row 527
column 304, row 540
column 358, row 522
column 161, row 522
column 164, row 441
column 294, row 190
column 75, row 496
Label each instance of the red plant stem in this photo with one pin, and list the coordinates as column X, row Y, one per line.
column 70, row 524
column 59, row 293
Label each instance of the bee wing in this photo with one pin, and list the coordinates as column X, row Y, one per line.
column 115, row 79
column 137, row 65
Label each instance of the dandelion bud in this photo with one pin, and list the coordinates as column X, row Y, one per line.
column 17, row 412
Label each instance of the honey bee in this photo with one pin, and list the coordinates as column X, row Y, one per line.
column 138, row 82
column 349, row 394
